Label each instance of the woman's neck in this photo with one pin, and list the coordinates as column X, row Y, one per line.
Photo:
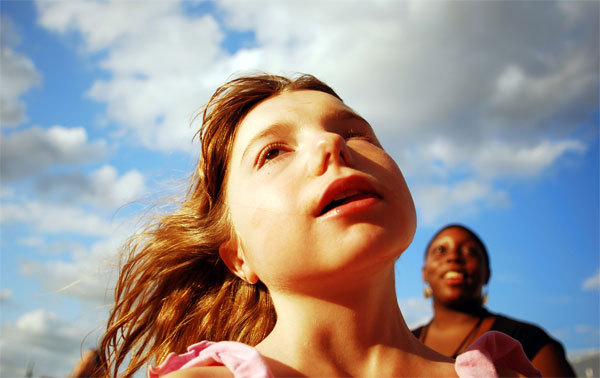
column 449, row 315
column 355, row 330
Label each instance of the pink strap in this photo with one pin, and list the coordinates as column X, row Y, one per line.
column 490, row 350
column 241, row 359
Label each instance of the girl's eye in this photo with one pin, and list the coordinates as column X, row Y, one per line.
column 270, row 153
column 354, row 134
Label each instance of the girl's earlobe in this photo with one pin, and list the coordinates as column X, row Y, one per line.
column 233, row 256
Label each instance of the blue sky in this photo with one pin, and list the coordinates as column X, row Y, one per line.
column 491, row 109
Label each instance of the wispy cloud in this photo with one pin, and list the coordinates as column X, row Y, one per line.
column 46, row 218
column 18, row 73
column 592, row 283
column 5, row 295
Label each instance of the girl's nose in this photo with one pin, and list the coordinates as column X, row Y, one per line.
column 329, row 149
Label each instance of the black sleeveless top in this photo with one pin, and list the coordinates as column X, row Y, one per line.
column 531, row 337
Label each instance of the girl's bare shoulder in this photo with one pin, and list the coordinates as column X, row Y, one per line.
column 201, row 371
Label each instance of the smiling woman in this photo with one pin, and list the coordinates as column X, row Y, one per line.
column 280, row 261
column 457, row 267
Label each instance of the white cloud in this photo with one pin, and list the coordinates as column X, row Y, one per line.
column 592, row 283
column 416, row 311
column 464, row 197
column 5, row 295
column 30, row 151
column 103, row 188
column 497, row 159
column 90, row 272
column 160, row 75
column 41, row 338
column 47, row 218
column 31, row 241
column 18, row 75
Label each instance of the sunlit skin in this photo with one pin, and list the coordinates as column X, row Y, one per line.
column 288, row 151
column 455, row 269
column 320, row 213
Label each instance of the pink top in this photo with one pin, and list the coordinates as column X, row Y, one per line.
column 479, row 360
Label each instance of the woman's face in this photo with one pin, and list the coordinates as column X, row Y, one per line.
column 312, row 194
column 455, row 267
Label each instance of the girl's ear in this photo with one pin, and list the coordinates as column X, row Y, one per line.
column 232, row 254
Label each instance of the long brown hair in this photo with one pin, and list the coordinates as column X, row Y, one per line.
column 173, row 290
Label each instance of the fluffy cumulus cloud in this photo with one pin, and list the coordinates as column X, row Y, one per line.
column 103, row 188
column 160, row 75
column 416, row 70
column 18, row 75
column 39, row 339
column 33, row 150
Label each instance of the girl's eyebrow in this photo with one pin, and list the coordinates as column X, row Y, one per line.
column 343, row 114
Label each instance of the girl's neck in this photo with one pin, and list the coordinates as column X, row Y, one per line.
column 354, row 331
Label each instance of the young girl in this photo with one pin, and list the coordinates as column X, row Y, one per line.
column 286, row 241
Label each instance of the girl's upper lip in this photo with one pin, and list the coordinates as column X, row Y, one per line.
column 343, row 185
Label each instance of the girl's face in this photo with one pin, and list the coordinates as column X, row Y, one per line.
column 455, row 267
column 312, row 194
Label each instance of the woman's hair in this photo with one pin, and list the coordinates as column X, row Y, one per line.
column 473, row 236
column 173, row 289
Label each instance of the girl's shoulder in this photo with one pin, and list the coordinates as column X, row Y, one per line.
column 495, row 354
column 210, row 359
column 200, row 372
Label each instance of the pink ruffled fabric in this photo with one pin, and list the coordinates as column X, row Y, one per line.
column 490, row 350
column 479, row 360
column 241, row 359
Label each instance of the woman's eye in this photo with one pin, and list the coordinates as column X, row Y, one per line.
column 439, row 250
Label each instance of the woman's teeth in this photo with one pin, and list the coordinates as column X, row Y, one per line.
column 453, row 274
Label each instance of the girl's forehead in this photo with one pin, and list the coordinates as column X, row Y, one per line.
column 293, row 106
column 289, row 110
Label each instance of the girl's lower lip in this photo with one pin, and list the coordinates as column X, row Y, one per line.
column 352, row 207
